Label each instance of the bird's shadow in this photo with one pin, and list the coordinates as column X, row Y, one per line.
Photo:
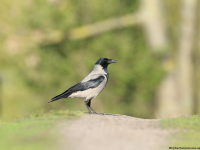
column 101, row 114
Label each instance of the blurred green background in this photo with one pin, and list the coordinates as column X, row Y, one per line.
column 38, row 59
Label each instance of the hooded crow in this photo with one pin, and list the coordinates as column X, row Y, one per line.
column 91, row 85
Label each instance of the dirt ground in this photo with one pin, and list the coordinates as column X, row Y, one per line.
column 114, row 132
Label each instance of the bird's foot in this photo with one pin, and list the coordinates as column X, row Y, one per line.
column 101, row 113
column 94, row 112
column 91, row 112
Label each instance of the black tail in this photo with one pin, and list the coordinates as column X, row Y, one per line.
column 63, row 95
column 68, row 92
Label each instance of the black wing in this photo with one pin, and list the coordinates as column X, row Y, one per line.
column 80, row 87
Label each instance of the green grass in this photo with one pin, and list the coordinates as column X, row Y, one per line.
column 189, row 134
column 37, row 131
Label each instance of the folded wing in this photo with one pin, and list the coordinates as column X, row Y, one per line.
column 81, row 86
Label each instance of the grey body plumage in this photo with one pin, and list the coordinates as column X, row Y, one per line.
column 91, row 85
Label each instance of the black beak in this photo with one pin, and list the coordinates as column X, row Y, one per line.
column 111, row 61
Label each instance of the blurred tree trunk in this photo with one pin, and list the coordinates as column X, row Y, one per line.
column 152, row 19
column 175, row 95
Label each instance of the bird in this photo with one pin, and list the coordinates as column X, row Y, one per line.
column 90, row 86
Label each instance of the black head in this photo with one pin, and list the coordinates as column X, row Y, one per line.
column 104, row 62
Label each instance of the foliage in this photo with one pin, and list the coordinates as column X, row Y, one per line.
column 38, row 61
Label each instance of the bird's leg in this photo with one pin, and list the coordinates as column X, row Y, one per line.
column 91, row 107
column 88, row 107
column 88, row 103
column 93, row 110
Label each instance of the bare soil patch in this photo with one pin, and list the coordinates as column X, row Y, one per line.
column 114, row 132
